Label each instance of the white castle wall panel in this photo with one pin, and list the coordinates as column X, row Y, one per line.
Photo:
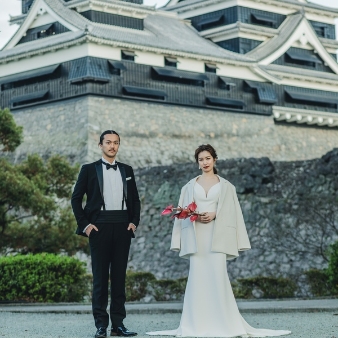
column 190, row 65
column 150, row 59
column 238, row 72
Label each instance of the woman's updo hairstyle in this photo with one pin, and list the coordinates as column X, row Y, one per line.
column 210, row 149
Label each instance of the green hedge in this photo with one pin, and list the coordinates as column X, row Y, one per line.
column 325, row 282
column 169, row 289
column 52, row 278
column 42, row 278
column 269, row 287
column 318, row 282
column 138, row 285
column 141, row 284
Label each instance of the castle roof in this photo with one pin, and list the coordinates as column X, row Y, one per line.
column 124, row 49
column 180, row 39
column 183, row 5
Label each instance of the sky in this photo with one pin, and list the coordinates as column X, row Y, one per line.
column 13, row 7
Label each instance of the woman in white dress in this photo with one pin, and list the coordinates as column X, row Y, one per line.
column 209, row 308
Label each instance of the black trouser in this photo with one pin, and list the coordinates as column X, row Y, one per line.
column 109, row 248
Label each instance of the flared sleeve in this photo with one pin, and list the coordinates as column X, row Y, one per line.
column 176, row 233
column 243, row 242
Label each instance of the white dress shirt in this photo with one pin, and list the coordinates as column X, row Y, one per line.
column 112, row 188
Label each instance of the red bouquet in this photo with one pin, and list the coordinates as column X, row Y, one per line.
column 182, row 213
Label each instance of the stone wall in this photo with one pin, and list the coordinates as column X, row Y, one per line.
column 157, row 134
column 60, row 128
column 290, row 210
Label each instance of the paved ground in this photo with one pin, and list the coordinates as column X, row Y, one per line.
column 305, row 318
column 47, row 325
column 255, row 306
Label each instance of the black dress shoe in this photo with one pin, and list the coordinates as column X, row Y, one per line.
column 101, row 332
column 122, row 331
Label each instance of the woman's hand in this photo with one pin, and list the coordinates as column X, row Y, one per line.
column 206, row 217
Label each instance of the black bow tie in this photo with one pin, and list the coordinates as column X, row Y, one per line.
column 108, row 166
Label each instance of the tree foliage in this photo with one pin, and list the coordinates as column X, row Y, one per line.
column 34, row 199
column 10, row 133
column 332, row 270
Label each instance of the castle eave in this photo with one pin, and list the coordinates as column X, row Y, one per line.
column 189, row 5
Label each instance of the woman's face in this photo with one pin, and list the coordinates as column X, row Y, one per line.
column 205, row 161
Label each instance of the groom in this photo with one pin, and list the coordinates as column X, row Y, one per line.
column 109, row 219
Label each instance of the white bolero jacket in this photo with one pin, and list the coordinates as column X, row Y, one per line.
column 229, row 233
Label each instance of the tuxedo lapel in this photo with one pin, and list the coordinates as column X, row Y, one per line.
column 124, row 180
column 99, row 173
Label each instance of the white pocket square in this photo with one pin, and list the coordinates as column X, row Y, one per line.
column 128, row 178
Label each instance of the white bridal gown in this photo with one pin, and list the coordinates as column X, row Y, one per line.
column 209, row 308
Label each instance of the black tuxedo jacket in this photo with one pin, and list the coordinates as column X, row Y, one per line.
column 90, row 183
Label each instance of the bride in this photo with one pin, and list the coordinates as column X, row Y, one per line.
column 209, row 308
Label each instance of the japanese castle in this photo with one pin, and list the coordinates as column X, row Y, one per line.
column 266, row 57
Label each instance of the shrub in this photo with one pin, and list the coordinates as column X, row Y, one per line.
column 319, row 282
column 266, row 287
column 332, row 270
column 42, row 278
column 240, row 291
column 169, row 289
column 138, row 285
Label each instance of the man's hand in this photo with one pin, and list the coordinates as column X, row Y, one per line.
column 90, row 228
column 206, row 217
column 132, row 227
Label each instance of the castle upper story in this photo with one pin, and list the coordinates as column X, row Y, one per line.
column 265, row 57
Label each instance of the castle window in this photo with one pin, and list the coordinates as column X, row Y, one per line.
column 29, row 99
column 113, row 19
column 170, row 62
column 225, row 103
column 310, row 98
column 139, row 2
column 89, row 69
column 128, row 56
column 263, row 20
column 224, row 83
column 145, row 93
column 210, row 68
column 115, row 67
column 239, row 45
column 43, row 32
column 31, row 77
column 264, row 91
column 309, row 60
column 178, row 76
column 211, row 21
column 324, row 30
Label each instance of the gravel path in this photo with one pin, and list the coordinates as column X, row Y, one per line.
column 37, row 325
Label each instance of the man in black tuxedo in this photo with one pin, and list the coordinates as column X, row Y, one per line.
column 109, row 218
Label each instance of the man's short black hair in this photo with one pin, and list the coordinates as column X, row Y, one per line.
column 108, row 132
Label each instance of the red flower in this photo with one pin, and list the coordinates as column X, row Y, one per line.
column 192, row 206
column 193, row 218
column 183, row 214
column 168, row 210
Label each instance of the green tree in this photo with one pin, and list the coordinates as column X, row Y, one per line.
column 332, row 270
column 35, row 215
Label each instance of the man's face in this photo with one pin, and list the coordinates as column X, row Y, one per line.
column 110, row 145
